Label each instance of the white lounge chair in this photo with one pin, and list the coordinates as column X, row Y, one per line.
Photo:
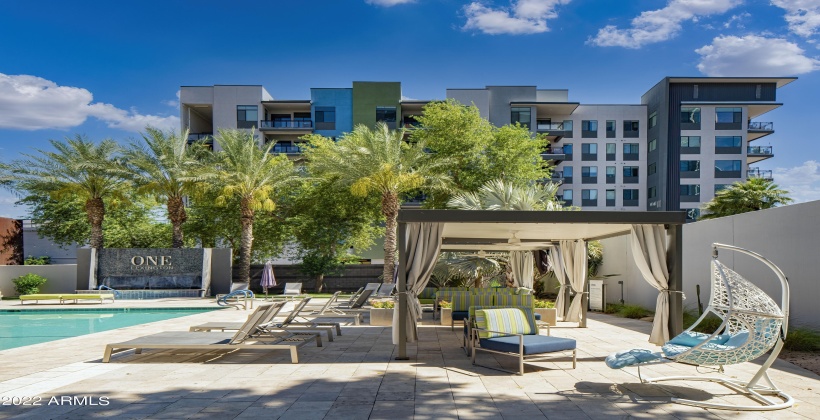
column 268, row 325
column 340, row 311
column 210, row 341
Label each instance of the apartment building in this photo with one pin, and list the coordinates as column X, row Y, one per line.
column 687, row 139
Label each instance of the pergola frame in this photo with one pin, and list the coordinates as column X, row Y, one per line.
column 573, row 225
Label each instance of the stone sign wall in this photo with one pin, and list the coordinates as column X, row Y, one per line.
column 151, row 268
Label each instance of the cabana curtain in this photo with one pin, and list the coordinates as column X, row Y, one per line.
column 574, row 255
column 522, row 268
column 557, row 265
column 649, row 244
column 422, row 245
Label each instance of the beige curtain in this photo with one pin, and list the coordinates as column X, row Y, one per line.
column 522, row 264
column 422, row 246
column 558, row 268
column 649, row 244
column 574, row 255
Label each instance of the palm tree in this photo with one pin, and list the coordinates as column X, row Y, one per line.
column 741, row 197
column 502, row 195
column 376, row 161
column 78, row 168
column 251, row 175
column 162, row 167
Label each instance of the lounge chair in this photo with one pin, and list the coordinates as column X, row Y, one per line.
column 353, row 311
column 210, row 341
column 268, row 326
column 65, row 297
column 385, row 290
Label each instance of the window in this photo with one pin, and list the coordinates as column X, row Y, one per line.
column 721, row 187
column 591, row 148
column 652, row 168
column 567, row 195
column 728, row 141
column 589, row 125
column 690, row 141
column 610, row 196
column 653, row 145
column 325, row 114
column 610, row 128
column 728, row 115
column 521, row 116
column 610, row 174
column 610, row 148
column 651, row 192
column 689, row 165
column 589, row 194
column 630, row 171
column 690, row 115
column 727, row 166
column 653, row 119
column 386, row 114
column 568, row 127
column 631, row 126
column 568, row 149
column 567, row 171
column 691, row 190
column 247, row 116
column 630, row 194
column 589, row 171
column 631, row 151
column 692, row 214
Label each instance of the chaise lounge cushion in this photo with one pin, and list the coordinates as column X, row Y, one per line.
column 691, row 338
column 533, row 344
column 508, row 320
column 630, row 357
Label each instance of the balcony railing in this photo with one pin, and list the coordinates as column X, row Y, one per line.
column 208, row 137
column 759, row 150
column 553, row 151
column 550, row 126
column 761, row 126
column 286, row 149
column 285, row 124
column 759, row 173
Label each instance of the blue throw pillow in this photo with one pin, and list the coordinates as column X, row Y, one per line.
column 630, row 357
column 692, row 339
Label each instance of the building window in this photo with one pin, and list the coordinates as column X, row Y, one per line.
column 325, row 114
column 690, row 141
column 589, row 125
column 631, row 128
column 610, row 174
column 567, row 195
column 728, row 115
column 589, row 194
column 610, row 129
column 690, row 190
column 610, row 151
column 247, row 116
column 690, row 115
column 568, row 150
column 590, row 148
column 567, row 171
column 721, row 187
column 692, row 214
column 521, row 116
column 589, row 171
column 630, row 194
column 610, row 198
column 727, row 166
column 653, row 145
column 631, row 151
column 728, row 141
column 653, row 119
column 689, row 165
column 386, row 114
column 651, row 193
column 630, row 171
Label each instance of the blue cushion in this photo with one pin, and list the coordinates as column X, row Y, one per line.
column 630, row 357
column 533, row 344
column 460, row 315
column 692, row 339
column 537, row 316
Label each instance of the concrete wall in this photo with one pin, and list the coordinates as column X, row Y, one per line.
column 787, row 236
column 478, row 97
column 62, row 278
column 369, row 95
column 34, row 245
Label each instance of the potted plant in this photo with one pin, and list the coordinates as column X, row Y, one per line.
column 381, row 313
column 446, row 309
column 546, row 308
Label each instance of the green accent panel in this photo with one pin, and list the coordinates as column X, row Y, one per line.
column 369, row 95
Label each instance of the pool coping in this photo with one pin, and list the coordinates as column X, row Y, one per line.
column 110, row 309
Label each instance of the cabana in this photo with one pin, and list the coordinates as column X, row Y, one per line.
column 656, row 243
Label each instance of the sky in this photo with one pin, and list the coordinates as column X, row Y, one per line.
column 108, row 69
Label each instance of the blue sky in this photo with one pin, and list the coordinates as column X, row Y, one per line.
column 106, row 69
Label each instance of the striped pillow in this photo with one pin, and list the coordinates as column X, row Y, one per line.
column 507, row 320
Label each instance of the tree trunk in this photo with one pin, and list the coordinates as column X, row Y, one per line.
column 95, row 211
column 320, row 283
column 176, row 212
column 246, row 220
column 390, row 210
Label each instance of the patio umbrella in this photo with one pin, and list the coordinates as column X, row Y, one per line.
column 268, row 280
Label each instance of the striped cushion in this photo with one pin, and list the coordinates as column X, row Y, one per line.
column 461, row 301
column 506, row 290
column 518, row 301
column 484, row 299
column 428, row 293
column 506, row 320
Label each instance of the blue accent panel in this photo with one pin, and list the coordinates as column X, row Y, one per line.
column 342, row 100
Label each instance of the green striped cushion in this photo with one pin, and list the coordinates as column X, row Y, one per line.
column 505, row 320
column 461, row 301
column 428, row 293
column 483, row 299
column 524, row 301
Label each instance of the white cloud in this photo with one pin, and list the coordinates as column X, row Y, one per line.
column 173, row 102
column 388, row 3
column 33, row 103
column 660, row 25
column 802, row 182
column 736, row 20
column 803, row 16
column 523, row 17
column 754, row 55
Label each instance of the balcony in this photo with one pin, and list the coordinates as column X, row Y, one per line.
column 286, row 149
column 760, row 173
column 555, row 154
column 557, row 177
column 757, row 153
column 758, row 129
column 204, row 138
column 286, row 125
column 554, row 131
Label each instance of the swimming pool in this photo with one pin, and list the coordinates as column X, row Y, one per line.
column 20, row 328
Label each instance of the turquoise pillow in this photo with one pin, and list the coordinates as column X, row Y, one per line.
column 692, row 339
column 630, row 357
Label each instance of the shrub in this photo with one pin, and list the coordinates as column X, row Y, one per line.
column 28, row 284
column 539, row 303
column 633, row 312
column 802, row 339
column 382, row 304
column 32, row 260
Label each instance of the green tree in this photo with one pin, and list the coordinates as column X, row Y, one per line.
column 741, row 197
column 78, row 168
column 251, row 175
column 502, row 195
column 327, row 220
column 376, row 162
column 161, row 167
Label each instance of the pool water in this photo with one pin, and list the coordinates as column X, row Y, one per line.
column 26, row 327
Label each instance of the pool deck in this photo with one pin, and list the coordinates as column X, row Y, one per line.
column 356, row 377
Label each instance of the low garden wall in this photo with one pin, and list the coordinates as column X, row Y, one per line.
column 351, row 278
column 62, row 278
